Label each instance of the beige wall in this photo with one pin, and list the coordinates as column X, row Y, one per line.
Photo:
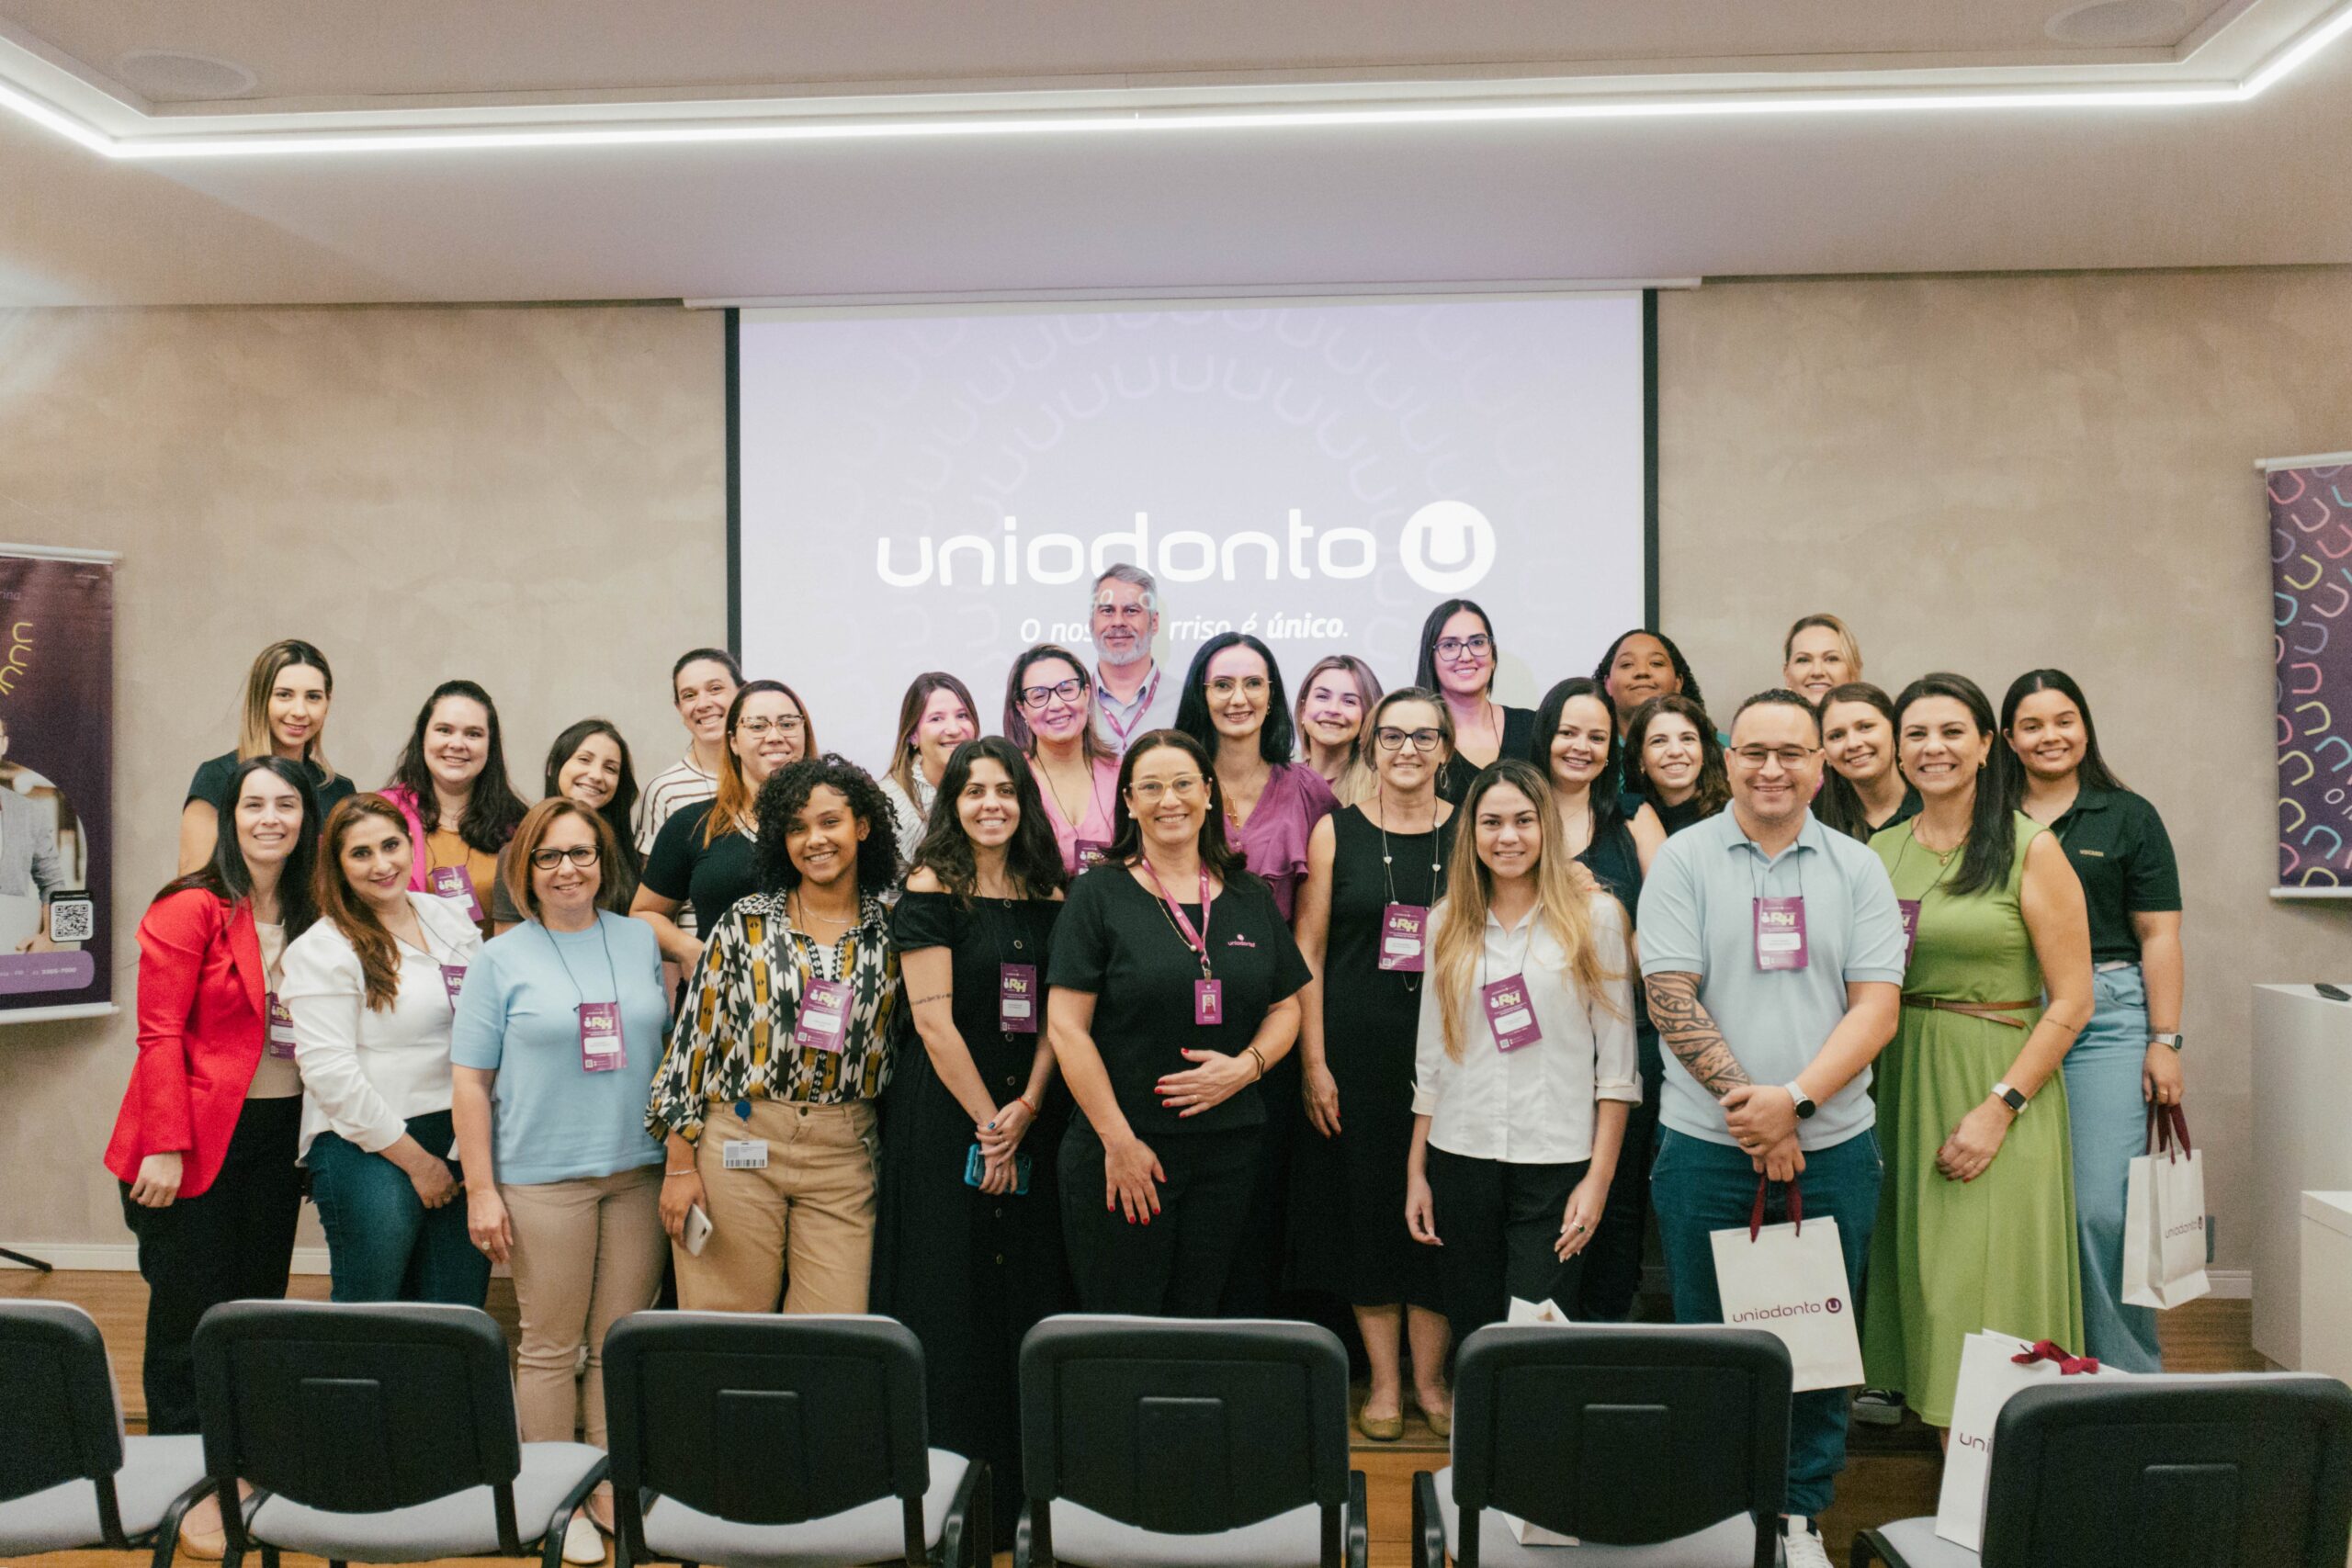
column 1980, row 474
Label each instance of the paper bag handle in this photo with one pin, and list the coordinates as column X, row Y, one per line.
column 2168, row 1131
column 2051, row 1350
column 1756, row 1211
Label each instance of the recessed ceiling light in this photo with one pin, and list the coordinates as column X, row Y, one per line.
column 169, row 76
column 2121, row 22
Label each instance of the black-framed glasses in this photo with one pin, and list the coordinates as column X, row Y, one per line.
column 548, row 857
column 1038, row 696
column 1389, row 739
column 1455, row 646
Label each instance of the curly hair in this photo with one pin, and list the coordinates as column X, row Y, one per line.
column 787, row 794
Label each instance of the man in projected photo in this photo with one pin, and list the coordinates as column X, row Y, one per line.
column 29, row 868
column 1130, row 693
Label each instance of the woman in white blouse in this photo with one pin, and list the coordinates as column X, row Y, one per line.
column 372, row 988
column 1524, row 1069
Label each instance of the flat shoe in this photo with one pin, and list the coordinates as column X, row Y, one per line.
column 582, row 1544
column 1381, row 1428
column 1441, row 1422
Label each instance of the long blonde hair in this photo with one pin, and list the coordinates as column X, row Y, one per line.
column 1563, row 899
column 254, row 737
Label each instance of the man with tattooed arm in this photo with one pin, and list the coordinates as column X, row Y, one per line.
column 1773, row 951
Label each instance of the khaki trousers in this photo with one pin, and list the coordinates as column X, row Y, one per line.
column 813, row 1205
column 587, row 1253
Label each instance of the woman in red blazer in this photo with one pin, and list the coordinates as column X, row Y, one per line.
column 204, row 1145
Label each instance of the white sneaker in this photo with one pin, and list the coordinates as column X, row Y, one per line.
column 581, row 1543
column 1801, row 1545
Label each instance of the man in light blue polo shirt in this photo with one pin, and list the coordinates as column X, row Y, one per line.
column 1772, row 949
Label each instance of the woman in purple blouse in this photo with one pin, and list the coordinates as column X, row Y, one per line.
column 1233, row 704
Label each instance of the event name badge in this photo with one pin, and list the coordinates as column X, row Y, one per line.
column 1016, row 998
column 453, row 980
column 279, row 1041
column 1402, row 930
column 824, row 1016
column 456, row 884
column 1509, row 1015
column 601, row 1049
column 1780, row 933
column 1910, row 907
column 1208, row 1002
column 1091, row 852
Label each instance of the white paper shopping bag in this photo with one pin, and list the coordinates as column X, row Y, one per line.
column 1791, row 1279
column 1992, row 1368
column 2164, row 1217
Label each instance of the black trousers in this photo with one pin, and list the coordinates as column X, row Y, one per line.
column 1612, row 1264
column 1500, row 1224
column 1176, row 1266
column 233, row 1242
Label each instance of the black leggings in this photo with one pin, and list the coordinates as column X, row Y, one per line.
column 1500, row 1224
column 1177, row 1265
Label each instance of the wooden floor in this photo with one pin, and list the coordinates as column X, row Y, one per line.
column 1892, row 1474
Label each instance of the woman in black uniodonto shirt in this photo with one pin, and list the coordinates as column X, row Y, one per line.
column 706, row 853
column 1174, row 987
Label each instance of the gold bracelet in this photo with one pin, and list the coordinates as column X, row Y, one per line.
column 1257, row 1059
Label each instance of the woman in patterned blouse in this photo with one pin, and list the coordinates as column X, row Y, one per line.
column 766, row 1096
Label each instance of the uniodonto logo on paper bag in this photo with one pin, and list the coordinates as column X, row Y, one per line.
column 2186, row 1227
column 1833, row 1305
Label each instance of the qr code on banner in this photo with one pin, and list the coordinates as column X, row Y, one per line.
column 73, row 917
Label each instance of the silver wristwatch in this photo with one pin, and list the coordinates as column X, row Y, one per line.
column 2176, row 1039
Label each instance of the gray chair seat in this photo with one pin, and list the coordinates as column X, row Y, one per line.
column 1923, row 1548
column 155, row 1472
column 464, row 1524
column 1728, row 1543
column 1087, row 1540
column 871, row 1532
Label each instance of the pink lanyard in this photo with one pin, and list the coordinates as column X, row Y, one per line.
column 1124, row 732
column 1195, row 940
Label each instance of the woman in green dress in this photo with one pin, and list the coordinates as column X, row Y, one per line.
column 1976, row 1217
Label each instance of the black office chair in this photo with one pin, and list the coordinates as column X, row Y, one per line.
column 1164, row 1443
column 2182, row 1471
column 69, row 1479
column 749, row 1438
column 1666, row 1445
column 377, row 1434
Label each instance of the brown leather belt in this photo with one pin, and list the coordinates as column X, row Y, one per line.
column 1992, row 1011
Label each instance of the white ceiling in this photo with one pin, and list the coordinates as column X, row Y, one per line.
column 2239, row 183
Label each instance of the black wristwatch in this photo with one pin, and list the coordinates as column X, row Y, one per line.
column 1805, row 1107
column 2015, row 1100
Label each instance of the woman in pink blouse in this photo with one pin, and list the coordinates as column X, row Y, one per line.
column 1049, row 713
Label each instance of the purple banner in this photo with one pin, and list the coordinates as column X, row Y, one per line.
column 56, row 782
column 2310, row 585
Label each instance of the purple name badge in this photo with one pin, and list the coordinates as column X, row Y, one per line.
column 1509, row 1014
column 1780, row 933
column 1402, row 931
column 456, row 884
column 601, row 1049
column 279, row 1041
column 1016, row 998
column 1910, row 907
column 1091, row 852
column 1208, row 1003
column 824, row 1016
column 453, row 980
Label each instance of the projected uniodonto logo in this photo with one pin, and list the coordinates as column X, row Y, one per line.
column 1447, row 547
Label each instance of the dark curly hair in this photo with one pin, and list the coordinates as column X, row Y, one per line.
column 1034, row 859
column 788, row 791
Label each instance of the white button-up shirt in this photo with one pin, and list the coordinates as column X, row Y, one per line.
column 1535, row 1105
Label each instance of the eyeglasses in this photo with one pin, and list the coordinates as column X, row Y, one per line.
column 581, row 855
column 1149, row 791
column 1455, row 646
column 1223, row 685
column 1390, row 739
column 792, row 724
column 1038, row 696
column 1788, row 756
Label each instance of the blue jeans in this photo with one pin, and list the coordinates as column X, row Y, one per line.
column 383, row 1243
column 2107, row 1116
column 1698, row 1187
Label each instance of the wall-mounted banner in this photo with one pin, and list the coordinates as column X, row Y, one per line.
column 56, row 783
column 2310, row 587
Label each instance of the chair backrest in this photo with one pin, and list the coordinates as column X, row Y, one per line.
column 1182, row 1427
column 60, row 1417
column 766, row 1420
column 357, row 1408
column 2177, row 1471
column 1620, row 1435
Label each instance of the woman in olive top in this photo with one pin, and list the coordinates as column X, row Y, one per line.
column 450, row 784
column 287, row 694
column 770, row 1132
column 1818, row 656
column 1864, row 792
column 1576, row 746
column 1678, row 761
column 1976, row 1215
column 1458, row 660
column 1174, row 987
column 707, row 854
column 967, row 1250
column 2128, row 1058
column 588, row 765
column 1334, row 702
column 936, row 716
